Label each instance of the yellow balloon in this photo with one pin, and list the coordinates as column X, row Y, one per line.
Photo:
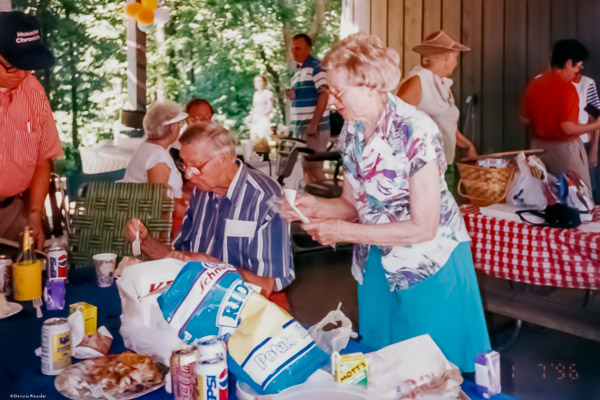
column 145, row 16
column 133, row 9
column 150, row 4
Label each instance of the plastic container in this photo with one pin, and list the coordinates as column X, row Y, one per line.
column 323, row 390
column 244, row 391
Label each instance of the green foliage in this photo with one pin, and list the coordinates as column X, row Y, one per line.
column 210, row 49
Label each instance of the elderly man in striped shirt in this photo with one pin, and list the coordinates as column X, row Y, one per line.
column 309, row 95
column 29, row 137
column 229, row 218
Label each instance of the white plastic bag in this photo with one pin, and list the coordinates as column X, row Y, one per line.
column 336, row 339
column 412, row 368
column 526, row 190
column 143, row 327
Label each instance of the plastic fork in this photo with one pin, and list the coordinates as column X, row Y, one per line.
column 37, row 303
column 99, row 393
column 135, row 246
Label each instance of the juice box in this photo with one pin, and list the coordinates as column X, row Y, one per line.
column 350, row 368
column 90, row 315
column 487, row 374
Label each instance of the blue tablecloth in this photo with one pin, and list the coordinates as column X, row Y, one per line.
column 20, row 369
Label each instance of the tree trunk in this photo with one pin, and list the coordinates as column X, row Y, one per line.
column 74, row 104
column 162, row 61
column 45, row 75
column 276, row 85
column 315, row 28
column 287, row 38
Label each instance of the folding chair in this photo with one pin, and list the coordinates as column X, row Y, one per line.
column 101, row 211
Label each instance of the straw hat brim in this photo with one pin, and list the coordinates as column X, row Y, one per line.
column 428, row 49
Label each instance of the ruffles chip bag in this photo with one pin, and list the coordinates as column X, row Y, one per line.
column 267, row 348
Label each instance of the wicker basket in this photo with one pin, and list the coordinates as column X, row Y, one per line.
column 484, row 186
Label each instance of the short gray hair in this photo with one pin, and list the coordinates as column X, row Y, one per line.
column 157, row 115
column 211, row 131
column 366, row 61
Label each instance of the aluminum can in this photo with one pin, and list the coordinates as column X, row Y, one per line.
column 6, row 275
column 57, row 263
column 183, row 373
column 210, row 347
column 211, row 369
column 56, row 346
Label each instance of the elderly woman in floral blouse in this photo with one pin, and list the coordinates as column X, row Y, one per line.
column 412, row 258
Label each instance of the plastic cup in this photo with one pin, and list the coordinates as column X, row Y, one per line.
column 105, row 264
column 247, row 149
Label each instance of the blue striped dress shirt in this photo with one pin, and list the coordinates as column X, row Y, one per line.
column 241, row 228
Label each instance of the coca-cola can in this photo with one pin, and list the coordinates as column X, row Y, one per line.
column 5, row 275
column 184, row 382
column 211, row 369
column 57, row 263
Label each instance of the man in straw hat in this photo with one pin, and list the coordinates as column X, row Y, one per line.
column 551, row 110
column 428, row 87
column 29, row 136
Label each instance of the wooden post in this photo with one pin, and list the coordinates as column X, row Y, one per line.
column 136, row 74
column 5, row 5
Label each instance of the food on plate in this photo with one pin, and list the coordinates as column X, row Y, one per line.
column 4, row 307
column 118, row 374
column 126, row 372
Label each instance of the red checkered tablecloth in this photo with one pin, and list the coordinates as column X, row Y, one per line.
column 520, row 252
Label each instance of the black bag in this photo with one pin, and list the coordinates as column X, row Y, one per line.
column 555, row 216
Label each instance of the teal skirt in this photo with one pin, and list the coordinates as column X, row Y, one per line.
column 446, row 305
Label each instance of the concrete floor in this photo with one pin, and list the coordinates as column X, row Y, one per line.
column 541, row 364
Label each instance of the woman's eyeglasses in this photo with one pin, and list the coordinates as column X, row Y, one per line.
column 338, row 96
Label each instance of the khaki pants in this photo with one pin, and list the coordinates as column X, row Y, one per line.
column 564, row 155
column 13, row 219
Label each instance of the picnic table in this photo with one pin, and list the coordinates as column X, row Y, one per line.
column 20, row 372
column 534, row 256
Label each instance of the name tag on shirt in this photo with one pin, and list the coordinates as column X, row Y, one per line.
column 237, row 228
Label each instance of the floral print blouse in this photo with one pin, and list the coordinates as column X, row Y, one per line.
column 378, row 173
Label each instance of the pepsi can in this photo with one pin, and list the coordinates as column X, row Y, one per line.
column 211, row 369
column 57, row 263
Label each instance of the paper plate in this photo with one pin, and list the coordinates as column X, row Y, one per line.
column 78, row 373
column 14, row 309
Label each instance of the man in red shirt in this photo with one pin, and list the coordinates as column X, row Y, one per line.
column 28, row 136
column 551, row 110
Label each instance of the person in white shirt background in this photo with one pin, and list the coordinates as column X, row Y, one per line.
column 262, row 109
column 152, row 162
column 589, row 109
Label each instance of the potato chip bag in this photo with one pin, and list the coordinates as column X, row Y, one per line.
column 267, row 348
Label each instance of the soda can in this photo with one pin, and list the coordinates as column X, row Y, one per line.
column 57, row 263
column 211, row 369
column 184, row 382
column 210, row 347
column 56, row 346
column 5, row 275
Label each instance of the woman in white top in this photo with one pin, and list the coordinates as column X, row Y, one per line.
column 152, row 162
column 262, row 110
column 428, row 87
